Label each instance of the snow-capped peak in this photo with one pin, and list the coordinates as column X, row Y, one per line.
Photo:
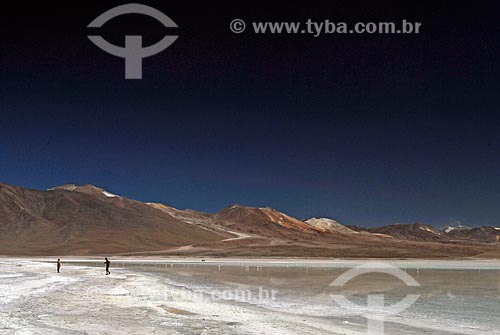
column 88, row 189
column 323, row 221
column 452, row 228
column 327, row 224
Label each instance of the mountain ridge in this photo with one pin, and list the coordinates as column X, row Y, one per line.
column 86, row 219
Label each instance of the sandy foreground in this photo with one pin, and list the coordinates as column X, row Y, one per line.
column 34, row 299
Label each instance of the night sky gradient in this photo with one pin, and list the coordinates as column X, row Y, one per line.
column 366, row 129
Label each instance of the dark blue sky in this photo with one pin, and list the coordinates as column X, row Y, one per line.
column 370, row 129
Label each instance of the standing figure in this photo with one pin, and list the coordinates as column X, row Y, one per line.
column 107, row 262
column 58, row 265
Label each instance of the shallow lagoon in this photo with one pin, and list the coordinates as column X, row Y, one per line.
column 241, row 297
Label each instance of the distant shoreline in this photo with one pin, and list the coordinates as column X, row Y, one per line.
column 270, row 262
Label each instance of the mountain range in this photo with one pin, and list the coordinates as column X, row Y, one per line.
column 88, row 220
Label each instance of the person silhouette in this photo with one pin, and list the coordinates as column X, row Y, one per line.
column 58, row 265
column 108, row 263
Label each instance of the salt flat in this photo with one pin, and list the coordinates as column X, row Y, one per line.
column 82, row 300
column 179, row 296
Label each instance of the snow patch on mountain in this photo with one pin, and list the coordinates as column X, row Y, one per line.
column 327, row 224
column 110, row 195
column 424, row 228
column 89, row 189
column 66, row 187
column 449, row 229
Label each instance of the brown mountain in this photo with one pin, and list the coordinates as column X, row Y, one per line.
column 87, row 220
column 255, row 221
column 265, row 222
column 186, row 215
column 83, row 220
column 411, row 232
column 483, row 234
column 423, row 232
